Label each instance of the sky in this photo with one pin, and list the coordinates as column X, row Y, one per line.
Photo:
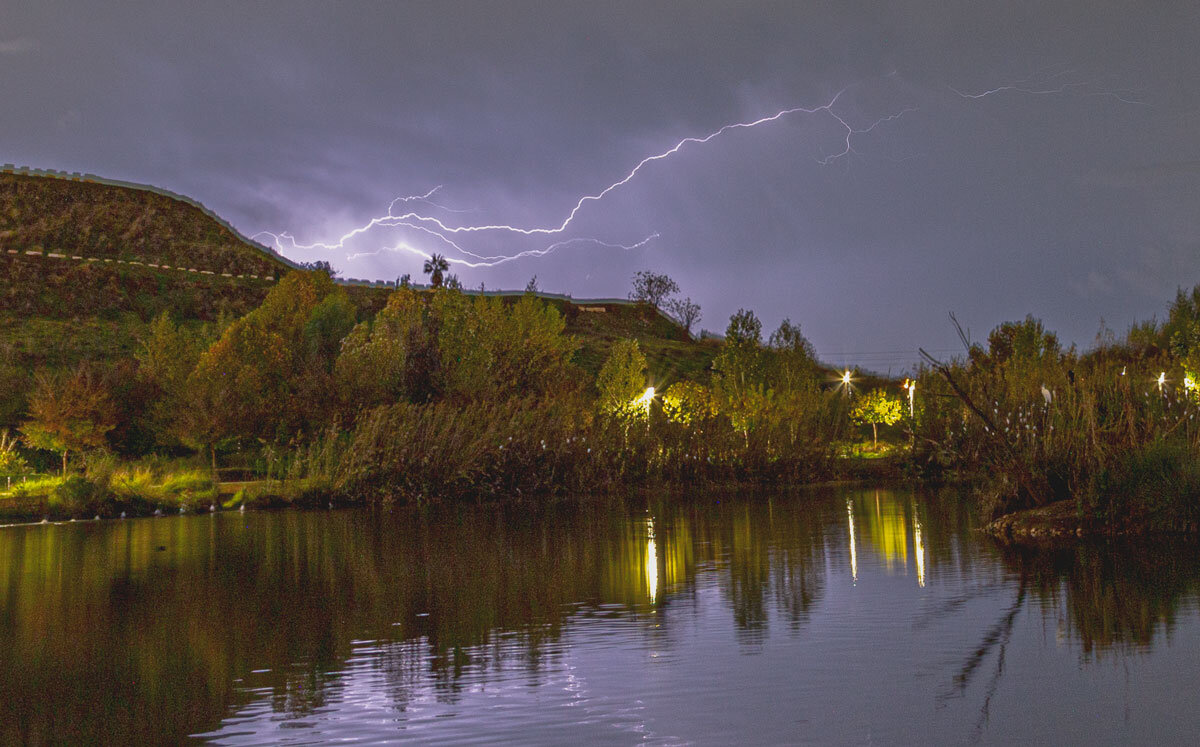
column 987, row 159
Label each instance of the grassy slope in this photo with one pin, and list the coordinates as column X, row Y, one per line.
column 54, row 312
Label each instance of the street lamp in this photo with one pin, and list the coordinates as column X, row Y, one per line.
column 911, row 387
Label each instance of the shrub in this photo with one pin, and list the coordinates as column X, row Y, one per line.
column 1154, row 487
column 190, row 487
column 135, row 483
column 77, row 495
column 41, row 486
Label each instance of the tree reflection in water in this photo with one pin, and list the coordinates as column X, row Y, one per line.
column 147, row 631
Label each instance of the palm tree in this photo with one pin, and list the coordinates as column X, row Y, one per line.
column 434, row 267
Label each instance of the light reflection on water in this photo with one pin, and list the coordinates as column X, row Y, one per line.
column 823, row 615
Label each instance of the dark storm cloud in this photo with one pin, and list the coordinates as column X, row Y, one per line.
column 311, row 117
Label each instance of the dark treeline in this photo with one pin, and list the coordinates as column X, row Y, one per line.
column 439, row 394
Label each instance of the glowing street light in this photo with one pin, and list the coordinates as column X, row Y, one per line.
column 1162, row 379
column 642, row 403
column 911, row 387
column 846, row 377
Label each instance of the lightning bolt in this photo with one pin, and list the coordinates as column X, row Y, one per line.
column 440, row 231
column 1043, row 85
column 499, row 260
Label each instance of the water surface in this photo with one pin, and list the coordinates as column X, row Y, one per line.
column 829, row 616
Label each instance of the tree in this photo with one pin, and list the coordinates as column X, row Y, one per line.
column 738, row 371
column 372, row 367
column 685, row 311
column 793, row 359
column 11, row 463
column 448, row 345
column 269, row 372
column 532, row 286
column 622, row 382
column 434, row 267
column 69, row 411
column 876, row 407
column 320, row 266
column 531, row 353
column 1025, row 342
column 688, row 403
column 166, row 357
column 652, row 288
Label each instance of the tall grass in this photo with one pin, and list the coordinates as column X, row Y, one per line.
column 1097, row 429
column 524, row 446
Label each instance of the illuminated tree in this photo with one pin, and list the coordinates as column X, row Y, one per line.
column 622, row 381
column 876, row 407
column 652, row 288
column 68, row 412
column 434, row 267
column 685, row 311
column 11, row 463
column 688, row 403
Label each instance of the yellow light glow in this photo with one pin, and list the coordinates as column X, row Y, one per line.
column 1188, row 384
column 920, row 551
column 651, row 561
column 845, row 377
column 853, row 552
column 1162, row 379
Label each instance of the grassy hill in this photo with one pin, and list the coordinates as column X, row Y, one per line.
column 87, row 264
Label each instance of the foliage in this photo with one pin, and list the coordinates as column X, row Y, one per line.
column 425, row 347
column 1155, row 486
column 688, row 403
column 1042, row 424
column 652, row 288
column 320, row 266
column 12, row 464
column 874, row 408
column 738, row 370
column 68, row 412
column 374, row 360
column 435, row 267
column 268, row 373
column 622, row 382
column 794, row 364
column 76, row 494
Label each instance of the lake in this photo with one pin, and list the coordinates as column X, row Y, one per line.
column 838, row 615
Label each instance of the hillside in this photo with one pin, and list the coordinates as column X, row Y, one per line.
column 86, row 264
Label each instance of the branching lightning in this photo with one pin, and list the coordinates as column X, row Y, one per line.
column 446, row 234
column 1045, row 85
